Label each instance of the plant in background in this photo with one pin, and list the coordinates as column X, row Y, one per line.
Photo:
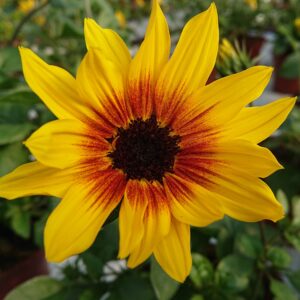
column 121, row 18
column 230, row 259
column 235, row 16
column 287, row 45
column 287, row 49
column 252, row 4
column 233, row 58
column 150, row 148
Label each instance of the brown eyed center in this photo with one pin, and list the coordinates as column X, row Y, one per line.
column 145, row 150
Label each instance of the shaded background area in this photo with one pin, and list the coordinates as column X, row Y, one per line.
column 231, row 260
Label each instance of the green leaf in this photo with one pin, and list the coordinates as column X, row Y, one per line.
column 20, row 223
column 87, row 295
column 233, row 273
column 37, row 288
column 10, row 60
column 131, row 285
column 279, row 257
column 10, row 133
column 93, row 263
column 296, row 210
column 13, row 113
column 38, row 230
column 248, row 246
column 202, row 272
column 21, row 95
column 282, row 198
column 164, row 286
column 225, row 242
column 291, row 66
column 295, row 279
column 197, row 297
column 292, row 234
column 11, row 156
column 281, row 291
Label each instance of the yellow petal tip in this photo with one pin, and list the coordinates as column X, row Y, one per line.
column 279, row 214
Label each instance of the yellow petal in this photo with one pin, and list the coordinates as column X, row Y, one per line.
column 190, row 203
column 74, row 224
column 191, row 63
column 173, row 253
column 131, row 217
column 101, row 84
column 55, row 86
column 156, row 225
column 108, row 42
column 257, row 123
column 246, row 198
column 35, row 179
column 63, row 143
column 220, row 101
column 233, row 153
column 244, row 155
column 148, row 63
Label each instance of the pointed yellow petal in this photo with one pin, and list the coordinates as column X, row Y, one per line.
column 63, row 143
column 257, row 123
column 246, row 198
column 191, row 62
column 244, row 155
column 101, row 84
column 173, row 253
column 55, row 86
column 148, row 63
column 108, row 42
column 190, row 203
column 131, row 217
column 35, row 179
column 220, row 101
column 156, row 225
column 233, row 153
column 74, row 224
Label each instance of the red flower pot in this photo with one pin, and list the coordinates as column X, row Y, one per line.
column 253, row 44
column 282, row 84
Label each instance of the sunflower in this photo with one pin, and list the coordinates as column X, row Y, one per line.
column 148, row 134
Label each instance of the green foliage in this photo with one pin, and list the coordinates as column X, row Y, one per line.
column 202, row 273
column 291, row 66
column 164, row 286
column 282, row 291
column 231, row 260
column 233, row 58
column 39, row 288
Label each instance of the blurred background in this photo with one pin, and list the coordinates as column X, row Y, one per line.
column 231, row 260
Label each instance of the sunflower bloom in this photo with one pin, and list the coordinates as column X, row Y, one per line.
column 148, row 134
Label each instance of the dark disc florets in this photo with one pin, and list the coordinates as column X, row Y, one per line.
column 145, row 150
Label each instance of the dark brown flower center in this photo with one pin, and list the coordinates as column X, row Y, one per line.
column 145, row 150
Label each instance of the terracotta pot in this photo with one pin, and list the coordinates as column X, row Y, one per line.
column 282, row 84
column 31, row 266
column 253, row 44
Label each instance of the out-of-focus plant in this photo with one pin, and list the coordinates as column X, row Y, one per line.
column 287, row 43
column 233, row 58
column 231, row 260
column 238, row 18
